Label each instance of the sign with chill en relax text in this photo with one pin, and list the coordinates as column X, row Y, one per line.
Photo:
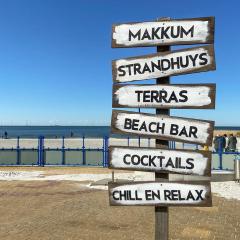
column 161, row 193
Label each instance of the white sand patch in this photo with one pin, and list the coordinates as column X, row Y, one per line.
column 229, row 189
column 40, row 176
column 21, row 175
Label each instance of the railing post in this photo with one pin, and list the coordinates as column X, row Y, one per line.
column 83, row 151
column 18, row 151
column 63, row 151
column 41, row 151
column 220, row 151
column 106, row 151
column 220, row 159
column 103, row 151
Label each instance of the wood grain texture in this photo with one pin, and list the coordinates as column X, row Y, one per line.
column 120, row 32
column 139, row 71
column 141, row 193
column 204, row 134
column 161, row 160
column 200, row 96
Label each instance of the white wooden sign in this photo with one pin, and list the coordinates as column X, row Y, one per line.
column 163, row 32
column 161, row 160
column 164, row 96
column 161, row 193
column 164, row 64
column 163, row 127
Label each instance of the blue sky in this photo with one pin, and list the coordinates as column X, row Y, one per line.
column 55, row 58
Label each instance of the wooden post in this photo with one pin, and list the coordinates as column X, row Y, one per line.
column 161, row 213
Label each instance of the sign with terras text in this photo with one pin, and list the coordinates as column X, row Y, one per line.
column 163, row 32
column 165, row 64
column 163, row 127
column 161, row 193
column 161, row 160
column 164, row 96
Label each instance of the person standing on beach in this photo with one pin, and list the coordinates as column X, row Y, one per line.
column 232, row 143
column 223, row 143
column 216, row 143
column 5, row 135
column 226, row 142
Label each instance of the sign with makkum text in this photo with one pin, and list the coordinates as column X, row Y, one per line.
column 162, row 126
column 163, row 32
column 164, row 96
column 161, row 160
column 164, row 64
column 161, row 193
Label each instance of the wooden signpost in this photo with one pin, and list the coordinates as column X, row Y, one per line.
column 161, row 193
column 162, row 126
column 163, row 96
column 161, row 160
column 191, row 60
column 163, row 32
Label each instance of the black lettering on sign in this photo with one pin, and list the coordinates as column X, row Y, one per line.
column 164, row 64
column 161, row 33
column 173, row 32
column 170, row 128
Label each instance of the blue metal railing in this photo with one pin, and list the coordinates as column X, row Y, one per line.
column 38, row 155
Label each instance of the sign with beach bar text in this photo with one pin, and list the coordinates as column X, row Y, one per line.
column 161, row 193
column 164, row 64
column 161, row 160
column 162, row 126
column 164, row 96
column 163, row 32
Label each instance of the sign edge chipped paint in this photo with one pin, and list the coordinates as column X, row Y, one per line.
column 140, row 186
column 123, row 95
column 116, row 126
column 141, row 64
column 200, row 159
column 205, row 35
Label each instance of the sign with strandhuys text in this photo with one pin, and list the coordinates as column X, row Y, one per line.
column 164, row 64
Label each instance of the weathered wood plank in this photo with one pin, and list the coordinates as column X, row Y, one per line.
column 163, row 32
column 161, row 160
column 165, row 64
column 196, row 193
column 197, row 96
column 162, row 126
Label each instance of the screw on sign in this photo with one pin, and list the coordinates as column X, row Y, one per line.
column 163, row 96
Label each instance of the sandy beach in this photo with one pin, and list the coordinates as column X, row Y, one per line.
column 65, row 207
